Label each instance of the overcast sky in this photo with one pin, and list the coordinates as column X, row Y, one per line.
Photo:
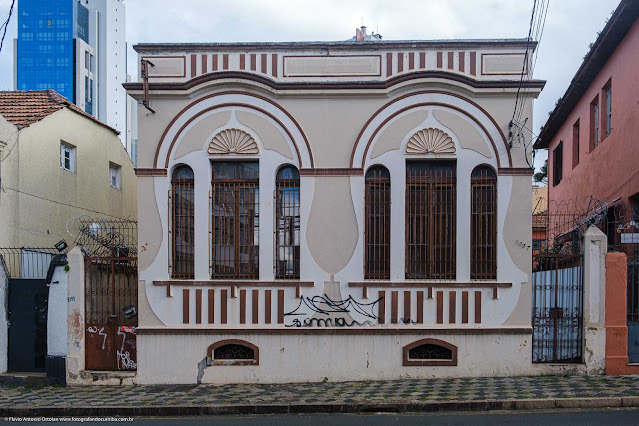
column 570, row 26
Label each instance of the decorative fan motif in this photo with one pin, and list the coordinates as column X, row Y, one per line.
column 233, row 141
column 430, row 141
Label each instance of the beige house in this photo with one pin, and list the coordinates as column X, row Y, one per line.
column 335, row 211
column 56, row 162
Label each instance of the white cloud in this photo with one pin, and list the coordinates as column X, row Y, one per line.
column 570, row 27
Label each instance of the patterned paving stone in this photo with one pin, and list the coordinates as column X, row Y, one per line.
column 432, row 390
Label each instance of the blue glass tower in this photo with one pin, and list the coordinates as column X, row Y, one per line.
column 46, row 33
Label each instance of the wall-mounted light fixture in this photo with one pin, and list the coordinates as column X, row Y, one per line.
column 61, row 245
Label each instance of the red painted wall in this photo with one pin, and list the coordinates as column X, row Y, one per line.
column 611, row 169
column 616, row 328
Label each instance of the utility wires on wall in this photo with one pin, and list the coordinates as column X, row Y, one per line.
column 516, row 136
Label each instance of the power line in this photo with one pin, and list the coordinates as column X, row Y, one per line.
column 541, row 22
column 5, row 24
column 530, row 59
column 535, row 32
column 60, row 202
column 523, row 67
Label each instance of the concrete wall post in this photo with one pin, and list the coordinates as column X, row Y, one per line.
column 75, row 315
column 595, row 248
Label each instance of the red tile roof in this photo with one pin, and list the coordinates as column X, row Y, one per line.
column 25, row 107
column 540, row 220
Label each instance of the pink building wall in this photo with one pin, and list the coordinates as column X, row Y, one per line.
column 611, row 169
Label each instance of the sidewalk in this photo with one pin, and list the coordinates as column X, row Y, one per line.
column 350, row 397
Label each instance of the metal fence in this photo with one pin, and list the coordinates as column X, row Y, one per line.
column 27, row 262
column 558, row 307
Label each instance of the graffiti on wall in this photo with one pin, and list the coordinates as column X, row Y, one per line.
column 322, row 311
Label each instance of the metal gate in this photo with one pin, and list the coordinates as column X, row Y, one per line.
column 25, row 269
column 111, row 293
column 633, row 309
column 632, row 251
column 28, row 302
column 557, row 311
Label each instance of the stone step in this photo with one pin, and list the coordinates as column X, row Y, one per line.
column 23, row 379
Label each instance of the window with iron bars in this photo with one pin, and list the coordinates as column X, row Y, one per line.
column 182, row 223
column 483, row 227
column 377, row 204
column 287, row 223
column 235, row 220
column 431, row 219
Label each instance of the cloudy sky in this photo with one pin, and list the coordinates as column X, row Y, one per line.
column 570, row 26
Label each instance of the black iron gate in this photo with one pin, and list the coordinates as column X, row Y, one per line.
column 111, row 293
column 25, row 269
column 28, row 302
column 633, row 302
column 557, row 311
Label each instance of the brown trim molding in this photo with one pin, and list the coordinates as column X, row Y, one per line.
column 443, row 284
column 364, row 285
column 337, row 45
column 410, row 284
column 150, row 172
column 233, row 284
column 515, row 171
column 417, row 105
column 466, row 113
column 231, row 104
column 332, row 172
column 228, row 283
column 254, row 361
column 457, row 330
column 231, row 92
column 408, row 362
column 345, row 85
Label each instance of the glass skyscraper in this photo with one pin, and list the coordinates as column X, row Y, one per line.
column 46, row 57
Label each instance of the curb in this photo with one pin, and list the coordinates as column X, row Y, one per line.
column 328, row 408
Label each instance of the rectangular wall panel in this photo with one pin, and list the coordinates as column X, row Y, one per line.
column 332, row 66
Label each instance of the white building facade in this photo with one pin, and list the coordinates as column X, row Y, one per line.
column 107, row 35
column 333, row 211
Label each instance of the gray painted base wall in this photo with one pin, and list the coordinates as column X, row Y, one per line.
column 4, row 326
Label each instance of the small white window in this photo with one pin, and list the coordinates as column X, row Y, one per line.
column 114, row 175
column 67, row 157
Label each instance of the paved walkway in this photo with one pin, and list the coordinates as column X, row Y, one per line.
column 402, row 395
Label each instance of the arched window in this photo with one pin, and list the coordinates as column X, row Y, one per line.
column 234, row 352
column 429, row 352
column 377, row 205
column 287, row 223
column 431, row 237
column 235, row 220
column 182, row 223
column 483, row 226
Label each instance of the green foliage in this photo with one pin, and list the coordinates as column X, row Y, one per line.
column 542, row 174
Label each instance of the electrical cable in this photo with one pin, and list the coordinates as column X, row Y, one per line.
column 61, row 203
column 5, row 24
column 523, row 68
